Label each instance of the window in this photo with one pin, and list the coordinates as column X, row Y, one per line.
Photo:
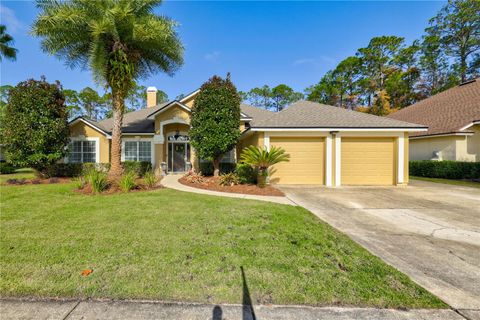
column 138, row 151
column 229, row 157
column 82, row 151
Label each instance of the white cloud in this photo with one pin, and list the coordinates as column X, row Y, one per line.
column 213, row 56
column 317, row 62
column 9, row 19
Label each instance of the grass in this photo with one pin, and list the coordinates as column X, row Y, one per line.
column 19, row 174
column 171, row 245
column 463, row 183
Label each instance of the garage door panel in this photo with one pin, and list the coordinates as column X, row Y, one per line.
column 368, row 161
column 306, row 165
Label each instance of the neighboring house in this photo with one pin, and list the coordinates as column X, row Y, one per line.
column 327, row 145
column 453, row 120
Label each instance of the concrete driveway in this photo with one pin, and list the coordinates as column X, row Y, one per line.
column 429, row 231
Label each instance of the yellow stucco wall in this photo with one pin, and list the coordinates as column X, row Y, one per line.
column 423, row 149
column 459, row 148
column 82, row 129
column 171, row 113
column 254, row 138
column 469, row 149
column 189, row 102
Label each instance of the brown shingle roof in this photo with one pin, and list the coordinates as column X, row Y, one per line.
column 446, row 112
column 255, row 113
column 135, row 121
column 307, row 114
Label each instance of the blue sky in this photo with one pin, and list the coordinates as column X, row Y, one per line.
column 258, row 42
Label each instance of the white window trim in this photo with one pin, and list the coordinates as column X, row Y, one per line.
column 160, row 138
column 82, row 138
column 357, row 130
column 470, row 125
column 328, row 161
column 168, row 106
column 138, row 139
column 338, row 160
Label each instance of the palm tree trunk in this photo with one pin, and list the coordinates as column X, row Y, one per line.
column 116, row 169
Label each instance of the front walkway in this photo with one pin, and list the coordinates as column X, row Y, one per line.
column 171, row 181
column 22, row 309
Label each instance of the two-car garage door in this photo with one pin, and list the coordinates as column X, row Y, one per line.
column 363, row 161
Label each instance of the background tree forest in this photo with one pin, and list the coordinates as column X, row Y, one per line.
column 89, row 103
column 389, row 74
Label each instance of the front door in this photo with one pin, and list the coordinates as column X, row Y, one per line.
column 178, row 156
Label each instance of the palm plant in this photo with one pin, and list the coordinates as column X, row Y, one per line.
column 262, row 159
column 6, row 40
column 119, row 40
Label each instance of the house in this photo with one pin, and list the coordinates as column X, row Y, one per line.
column 453, row 120
column 327, row 145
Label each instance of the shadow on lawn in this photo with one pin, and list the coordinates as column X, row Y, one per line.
column 247, row 308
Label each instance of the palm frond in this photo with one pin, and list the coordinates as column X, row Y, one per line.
column 261, row 158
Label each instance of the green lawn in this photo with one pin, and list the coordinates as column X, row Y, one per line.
column 450, row 181
column 171, row 245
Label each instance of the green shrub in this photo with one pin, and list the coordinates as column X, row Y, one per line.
column 137, row 167
column 206, row 168
column 79, row 183
column 150, row 179
column 217, row 102
column 6, row 168
column 63, row 170
column 445, row 169
column 246, row 173
column 228, row 179
column 98, row 180
column 127, row 181
column 35, row 129
column 71, row 170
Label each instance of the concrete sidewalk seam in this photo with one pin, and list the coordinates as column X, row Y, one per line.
column 73, row 309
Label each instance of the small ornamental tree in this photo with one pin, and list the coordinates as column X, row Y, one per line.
column 35, row 129
column 215, row 120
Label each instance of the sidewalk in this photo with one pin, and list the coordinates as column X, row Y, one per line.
column 171, row 181
column 23, row 309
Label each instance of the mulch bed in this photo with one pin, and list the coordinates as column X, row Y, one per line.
column 24, row 181
column 212, row 183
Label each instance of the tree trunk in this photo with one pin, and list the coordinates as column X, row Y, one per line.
column 116, row 168
column 463, row 67
column 216, row 166
column 262, row 178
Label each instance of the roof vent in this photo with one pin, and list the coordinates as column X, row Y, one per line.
column 467, row 82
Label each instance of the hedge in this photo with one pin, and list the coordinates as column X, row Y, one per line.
column 78, row 169
column 138, row 167
column 6, row 168
column 445, row 169
column 206, row 168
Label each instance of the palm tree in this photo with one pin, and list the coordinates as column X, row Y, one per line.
column 6, row 41
column 262, row 159
column 119, row 40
